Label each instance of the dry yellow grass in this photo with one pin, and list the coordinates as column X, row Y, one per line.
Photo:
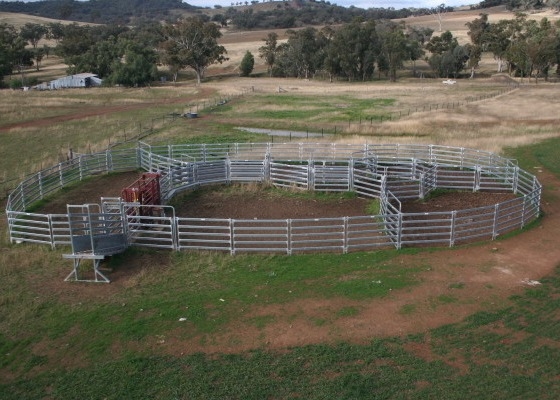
column 517, row 117
column 18, row 20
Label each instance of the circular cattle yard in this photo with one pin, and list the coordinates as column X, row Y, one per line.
column 257, row 201
column 490, row 271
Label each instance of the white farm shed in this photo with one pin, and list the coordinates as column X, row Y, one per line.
column 72, row 81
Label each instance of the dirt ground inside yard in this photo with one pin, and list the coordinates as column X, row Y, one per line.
column 478, row 277
column 255, row 201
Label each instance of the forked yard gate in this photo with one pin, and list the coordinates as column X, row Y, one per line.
column 391, row 173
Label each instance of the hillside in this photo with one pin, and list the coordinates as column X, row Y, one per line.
column 273, row 14
column 100, row 11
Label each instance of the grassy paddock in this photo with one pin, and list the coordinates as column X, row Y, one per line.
column 118, row 342
column 503, row 353
column 92, row 120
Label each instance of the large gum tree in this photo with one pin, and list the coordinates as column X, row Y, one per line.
column 191, row 42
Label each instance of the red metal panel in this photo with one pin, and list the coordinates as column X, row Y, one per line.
column 144, row 191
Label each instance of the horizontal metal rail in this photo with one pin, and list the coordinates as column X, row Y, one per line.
column 388, row 172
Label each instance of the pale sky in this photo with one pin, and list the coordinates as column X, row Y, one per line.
column 397, row 4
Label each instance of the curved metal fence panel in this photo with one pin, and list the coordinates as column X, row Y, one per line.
column 390, row 173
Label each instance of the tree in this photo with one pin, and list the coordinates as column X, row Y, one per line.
column 100, row 58
column 438, row 13
column 352, row 51
column 414, row 52
column 448, row 57
column 247, row 64
column 441, row 44
column 542, row 42
column 55, row 31
column 420, row 35
column 393, row 47
column 8, row 36
column 530, row 48
column 33, row 33
column 498, row 40
column 300, row 56
column 13, row 54
column 478, row 33
column 38, row 55
column 136, row 67
column 478, row 30
column 193, row 43
column 554, row 4
column 91, row 49
column 269, row 51
column 66, row 9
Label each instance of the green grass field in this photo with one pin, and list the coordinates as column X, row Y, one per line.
column 56, row 345
column 130, row 340
column 180, row 325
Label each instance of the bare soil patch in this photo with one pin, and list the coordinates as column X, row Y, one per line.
column 451, row 201
column 90, row 191
column 259, row 202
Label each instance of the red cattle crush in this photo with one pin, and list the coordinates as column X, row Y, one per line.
column 145, row 191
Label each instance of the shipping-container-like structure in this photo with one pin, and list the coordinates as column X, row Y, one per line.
column 83, row 80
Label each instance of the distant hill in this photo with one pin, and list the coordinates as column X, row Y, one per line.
column 99, row 11
column 246, row 15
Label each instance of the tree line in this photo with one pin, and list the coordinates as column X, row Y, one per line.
column 357, row 51
column 360, row 49
column 298, row 14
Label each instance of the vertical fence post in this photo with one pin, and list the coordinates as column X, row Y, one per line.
column 515, row 183
column 523, row 211
column 174, row 221
column 422, row 188
column 22, row 197
column 310, row 176
column 231, row 238
column 266, row 167
column 289, row 236
column 477, row 178
column 80, row 166
column 345, row 239
column 452, row 229
column 351, row 175
column 495, row 222
column 51, row 232
column 40, row 179
column 399, row 232
column 60, row 175
column 108, row 161
column 228, row 169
